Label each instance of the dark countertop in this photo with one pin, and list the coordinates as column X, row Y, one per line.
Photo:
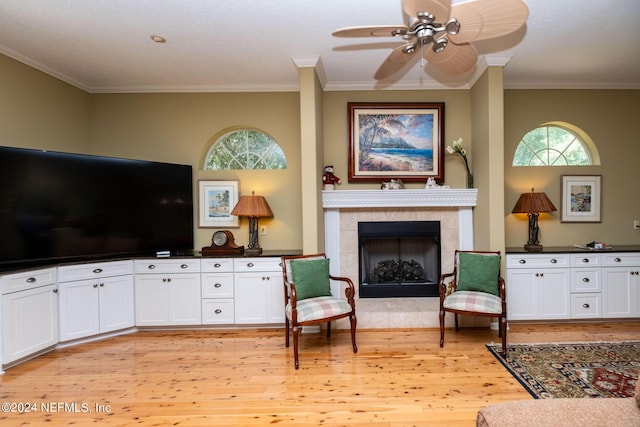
column 573, row 250
column 265, row 253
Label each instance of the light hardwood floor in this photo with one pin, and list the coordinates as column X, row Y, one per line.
column 247, row 378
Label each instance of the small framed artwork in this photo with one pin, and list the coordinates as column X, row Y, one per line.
column 581, row 198
column 396, row 140
column 217, row 200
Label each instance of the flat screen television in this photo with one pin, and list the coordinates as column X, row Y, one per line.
column 60, row 207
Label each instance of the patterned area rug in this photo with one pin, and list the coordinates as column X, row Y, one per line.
column 574, row 370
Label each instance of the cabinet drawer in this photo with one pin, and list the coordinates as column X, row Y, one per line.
column 217, row 285
column 631, row 259
column 69, row 273
column 27, row 280
column 586, row 306
column 217, row 264
column 537, row 260
column 217, row 312
column 167, row 266
column 585, row 260
column 586, row 280
column 257, row 264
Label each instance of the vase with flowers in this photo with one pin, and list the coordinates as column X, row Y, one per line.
column 458, row 148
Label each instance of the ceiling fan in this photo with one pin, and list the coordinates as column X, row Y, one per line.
column 442, row 33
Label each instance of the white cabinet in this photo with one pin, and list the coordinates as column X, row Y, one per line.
column 596, row 285
column 538, row 287
column 168, row 292
column 217, row 291
column 95, row 298
column 621, row 285
column 259, row 293
column 29, row 313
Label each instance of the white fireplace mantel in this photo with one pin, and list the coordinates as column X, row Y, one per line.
column 439, row 197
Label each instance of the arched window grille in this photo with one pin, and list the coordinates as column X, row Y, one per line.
column 556, row 144
column 245, row 149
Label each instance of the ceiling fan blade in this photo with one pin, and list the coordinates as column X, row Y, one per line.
column 377, row 31
column 394, row 62
column 486, row 19
column 454, row 59
column 438, row 8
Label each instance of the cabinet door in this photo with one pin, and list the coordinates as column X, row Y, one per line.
column 185, row 305
column 116, row 303
column 537, row 294
column 521, row 294
column 553, row 294
column 151, row 300
column 259, row 298
column 275, row 311
column 79, row 312
column 620, row 292
column 251, row 294
column 29, row 322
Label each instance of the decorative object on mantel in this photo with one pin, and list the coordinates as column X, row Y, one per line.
column 457, row 148
column 532, row 204
column 394, row 184
column 431, row 185
column 329, row 179
column 253, row 207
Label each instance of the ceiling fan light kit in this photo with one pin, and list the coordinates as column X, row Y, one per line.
column 448, row 29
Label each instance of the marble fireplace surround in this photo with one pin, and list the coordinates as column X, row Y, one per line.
column 343, row 209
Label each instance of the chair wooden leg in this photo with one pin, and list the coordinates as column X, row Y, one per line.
column 503, row 327
column 295, row 346
column 328, row 329
column 286, row 331
column 457, row 327
column 353, row 321
column 441, row 328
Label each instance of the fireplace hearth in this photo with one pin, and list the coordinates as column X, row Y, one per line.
column 399, row 258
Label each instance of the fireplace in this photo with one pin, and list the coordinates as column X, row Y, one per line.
column 398, row 258
column 344, row 209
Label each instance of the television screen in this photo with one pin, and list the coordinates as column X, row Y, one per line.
column 58, row 207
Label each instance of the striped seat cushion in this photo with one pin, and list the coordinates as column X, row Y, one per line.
column 478, row 302
column 319, row 308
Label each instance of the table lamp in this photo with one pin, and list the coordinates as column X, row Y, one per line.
column 253, row 207
column 532, row 204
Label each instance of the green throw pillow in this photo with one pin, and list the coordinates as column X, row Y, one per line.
column 311, row 278
column 478, row 273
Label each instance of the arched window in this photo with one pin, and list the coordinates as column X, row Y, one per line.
column 556, row 144
column 245, row 149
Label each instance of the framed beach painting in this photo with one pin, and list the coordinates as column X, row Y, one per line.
column 217, row 200
column 396, row 140
column 581, row 198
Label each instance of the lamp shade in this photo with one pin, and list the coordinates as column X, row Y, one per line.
column 252, row 206
column 533, row 202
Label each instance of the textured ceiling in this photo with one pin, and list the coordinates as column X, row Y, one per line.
column 254, row 45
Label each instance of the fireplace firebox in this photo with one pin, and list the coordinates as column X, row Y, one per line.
column 399, row 258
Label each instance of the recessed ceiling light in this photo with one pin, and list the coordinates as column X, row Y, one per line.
column 158, row 39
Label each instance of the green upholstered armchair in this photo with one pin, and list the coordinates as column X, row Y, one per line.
column 474, row 288
column 308, row 298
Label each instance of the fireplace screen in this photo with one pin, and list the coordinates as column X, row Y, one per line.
column 399, row 259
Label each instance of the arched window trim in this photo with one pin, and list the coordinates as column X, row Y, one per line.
column 582, row 138
column 248, row 159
